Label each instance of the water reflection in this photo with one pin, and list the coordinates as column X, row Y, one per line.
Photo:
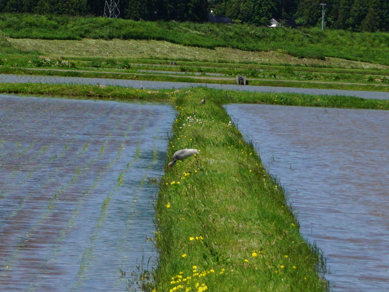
column 334, row 165
column 76, row 202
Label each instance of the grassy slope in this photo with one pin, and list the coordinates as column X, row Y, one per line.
column 370, row 47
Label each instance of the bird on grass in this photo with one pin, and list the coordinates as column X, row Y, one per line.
column 182, row 154
column 203, row 100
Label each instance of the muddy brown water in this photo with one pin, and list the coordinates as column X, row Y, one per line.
column 77, row 188
column 334, row 166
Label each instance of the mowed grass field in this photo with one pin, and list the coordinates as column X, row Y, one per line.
column 145, row 49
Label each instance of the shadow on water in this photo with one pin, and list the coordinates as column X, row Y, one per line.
column 78, row 184
column 334, row 165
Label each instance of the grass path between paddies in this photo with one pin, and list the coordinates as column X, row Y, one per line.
column 223, row 223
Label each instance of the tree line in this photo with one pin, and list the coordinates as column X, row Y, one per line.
column 179, row 10
column 355, row 15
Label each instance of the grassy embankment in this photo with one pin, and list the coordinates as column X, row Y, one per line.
column 107, row 48
column 223, row 223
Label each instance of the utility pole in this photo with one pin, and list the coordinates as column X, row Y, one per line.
column 322, row 15
column 111, row 9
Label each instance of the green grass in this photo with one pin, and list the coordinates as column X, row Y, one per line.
column 102, row 92
column 308, row 43
column 222, row 221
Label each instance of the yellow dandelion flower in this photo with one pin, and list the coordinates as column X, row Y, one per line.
column 173, row 182
column 191, row 238
column 194, row 267
column 254, row 254
column 246, row 260
column 178, row 182
column 184, row 255
column 282, row 266
column 286, row 255
column 167, row 205
column 294, row 267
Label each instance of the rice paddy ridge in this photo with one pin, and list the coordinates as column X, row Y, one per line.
column 223, row 223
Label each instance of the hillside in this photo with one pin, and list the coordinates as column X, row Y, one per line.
column 310, row 43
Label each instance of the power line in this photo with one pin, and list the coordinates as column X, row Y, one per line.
column 111, row 9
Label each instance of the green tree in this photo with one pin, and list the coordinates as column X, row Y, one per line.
column 384, row 16
column 96, row 7
column 308, row 12
column 140, row 9
column 14, row 6
column 372, row 20
column 68, row 7
column 342, row 13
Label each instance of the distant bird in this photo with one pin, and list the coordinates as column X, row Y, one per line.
column 182, row 154
column 203, row 100
column 141, row 85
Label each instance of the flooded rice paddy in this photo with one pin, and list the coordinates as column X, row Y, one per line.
column 11, row 78
column 78, row 180
column 334, row 165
